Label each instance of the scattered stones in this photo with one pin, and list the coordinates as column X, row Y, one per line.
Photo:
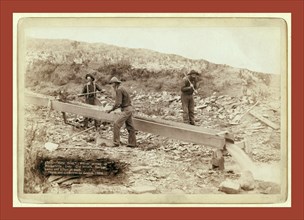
column 102, row 142
column 161, row 173
column 201, row 106
column 268, row 187
column 186, row 162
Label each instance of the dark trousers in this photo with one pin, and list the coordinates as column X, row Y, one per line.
column 188, row 108
column 125, row 117
column 91, row 101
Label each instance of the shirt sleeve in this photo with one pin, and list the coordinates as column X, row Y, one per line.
column 195, row 85
column 118, row 99
column 185, row 87
column 98, row 87
column 84, row 90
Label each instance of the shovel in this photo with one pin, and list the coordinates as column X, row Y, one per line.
column 195, row 91
column 88, row 93
column 52, row 146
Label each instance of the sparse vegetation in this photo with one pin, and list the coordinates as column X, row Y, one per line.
column 62, row 61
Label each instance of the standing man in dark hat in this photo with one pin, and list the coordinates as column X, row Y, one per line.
column 122, row 101
column 89, row 91
column 188, row 88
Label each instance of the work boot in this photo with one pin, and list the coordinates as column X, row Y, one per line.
column 86, row 123
column 131, row 146
column 114, row 145
column 96, row 123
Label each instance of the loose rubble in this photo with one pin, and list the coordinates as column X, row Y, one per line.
column 163, row 165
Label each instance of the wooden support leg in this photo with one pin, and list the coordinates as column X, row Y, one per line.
column 64, row 117
column 217, row 160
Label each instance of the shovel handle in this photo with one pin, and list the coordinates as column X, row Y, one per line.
column 195, row 91
column 88, row 93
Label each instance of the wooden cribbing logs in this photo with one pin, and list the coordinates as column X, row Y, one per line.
column 71, row 162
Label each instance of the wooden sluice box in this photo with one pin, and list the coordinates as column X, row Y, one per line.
column 165, row 128
column 175, row 130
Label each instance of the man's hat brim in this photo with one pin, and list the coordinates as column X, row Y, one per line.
column 114, row 80
column 193, row 72
column 89, row 75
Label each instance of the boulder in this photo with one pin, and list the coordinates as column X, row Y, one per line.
column 230, row 187
column 247, row 181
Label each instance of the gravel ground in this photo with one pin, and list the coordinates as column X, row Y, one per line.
column 160, row 165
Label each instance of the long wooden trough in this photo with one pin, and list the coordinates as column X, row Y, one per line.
column 165, row 128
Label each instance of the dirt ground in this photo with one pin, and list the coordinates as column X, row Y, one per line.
column 161, row 165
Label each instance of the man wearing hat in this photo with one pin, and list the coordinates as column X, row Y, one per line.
column 122, row 101
column 189, row 86
column 89, row 91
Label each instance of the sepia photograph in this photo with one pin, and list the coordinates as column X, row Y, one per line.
column 172, row 109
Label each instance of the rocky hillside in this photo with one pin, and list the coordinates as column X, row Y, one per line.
column 53, row 64
column 158, row 165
